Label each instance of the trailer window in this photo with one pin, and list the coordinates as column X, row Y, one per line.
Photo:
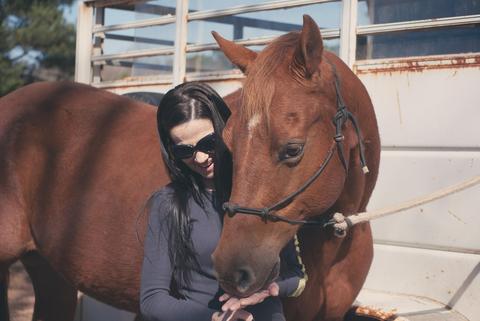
column 142, row 10
column 405, row 28
column 124, row 69
column 119, row 41
column 253, row 26
column 388, row 11
column 442, row 41
column 132, row 40
column 264, row 23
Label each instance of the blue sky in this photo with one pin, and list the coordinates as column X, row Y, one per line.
column 70, row 12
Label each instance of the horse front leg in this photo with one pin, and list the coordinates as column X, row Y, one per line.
column 55, row 298
column 348, row 274
column 4, row 311
column 13, row 241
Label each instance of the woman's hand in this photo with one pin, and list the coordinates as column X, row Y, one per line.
column 232, row 316
column 234, row 304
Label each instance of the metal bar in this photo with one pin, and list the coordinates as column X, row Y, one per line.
column 147, row 8
column 218, row 75
column 98, row 41
column 326, row 34
column 237, row 30
column 83, row 68
column 426, row 246
column 180, row 55
column 137, row 24
column 418, row 24
column 257, row 23
column 283, row 4
column 134, row 54
column 140, row 39
column 440, row 61
column 348, row 38
column 142, row 65
column 105, row 3
column 134, row 82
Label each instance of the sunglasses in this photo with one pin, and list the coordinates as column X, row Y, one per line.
column 206, row 145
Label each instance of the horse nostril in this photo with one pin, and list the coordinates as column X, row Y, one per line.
column 244, row 278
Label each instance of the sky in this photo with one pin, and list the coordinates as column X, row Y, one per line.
column 70, row 12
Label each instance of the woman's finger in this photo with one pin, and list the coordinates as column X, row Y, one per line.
column 224, row 297
column 274, row 289
column 226, row 316
column 232, row 304
column 221, row 316
column 254, row 298
column 241, row 315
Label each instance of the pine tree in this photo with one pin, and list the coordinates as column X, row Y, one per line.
column 35, row 40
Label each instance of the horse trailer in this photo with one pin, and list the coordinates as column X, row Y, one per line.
column 419, row 60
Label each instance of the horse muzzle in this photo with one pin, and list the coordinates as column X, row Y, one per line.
column 242, row 280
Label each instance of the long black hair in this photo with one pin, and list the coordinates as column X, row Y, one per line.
column 185, row 102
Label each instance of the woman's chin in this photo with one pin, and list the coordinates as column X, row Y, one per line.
column 208, row 172
column 208, row 175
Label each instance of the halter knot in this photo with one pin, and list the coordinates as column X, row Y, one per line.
column 230, row 208
column 341, row 116
column 265, row 212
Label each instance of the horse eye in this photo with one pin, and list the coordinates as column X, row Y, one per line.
column 291, row 152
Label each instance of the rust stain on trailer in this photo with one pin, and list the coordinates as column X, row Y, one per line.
column 399, row 108
column 418, row 64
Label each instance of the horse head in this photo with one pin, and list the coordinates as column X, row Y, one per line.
column 281, row 136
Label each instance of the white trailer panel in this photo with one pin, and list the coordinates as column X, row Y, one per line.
column 420, row 107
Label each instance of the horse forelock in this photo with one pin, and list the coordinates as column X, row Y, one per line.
column 259, row 86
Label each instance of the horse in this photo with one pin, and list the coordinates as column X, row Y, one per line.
column 301, row 141
column 78, row 163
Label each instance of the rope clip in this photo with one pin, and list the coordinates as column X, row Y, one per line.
column 340, row 225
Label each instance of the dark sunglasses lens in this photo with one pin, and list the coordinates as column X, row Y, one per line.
column 182, row 151
column 207, row 144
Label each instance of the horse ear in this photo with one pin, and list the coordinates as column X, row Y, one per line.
column 237, row 54
column 310, row 48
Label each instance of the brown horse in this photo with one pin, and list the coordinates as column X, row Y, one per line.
column 78, row 163
column 291, row 111
column 76, row 166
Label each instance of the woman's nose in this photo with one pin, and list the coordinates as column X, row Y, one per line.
column 201, row 157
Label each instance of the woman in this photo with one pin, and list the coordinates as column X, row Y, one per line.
column 178, row 280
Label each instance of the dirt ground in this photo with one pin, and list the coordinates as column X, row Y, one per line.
column 21, row 297
column 20, row 294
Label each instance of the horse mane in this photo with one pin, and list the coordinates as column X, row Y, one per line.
column 259, row 87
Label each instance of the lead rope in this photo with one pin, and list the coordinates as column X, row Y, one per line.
column 342, row 223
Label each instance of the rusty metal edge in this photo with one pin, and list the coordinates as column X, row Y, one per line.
column 417, row 64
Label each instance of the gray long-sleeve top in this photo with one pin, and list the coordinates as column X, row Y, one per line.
column 201, row 297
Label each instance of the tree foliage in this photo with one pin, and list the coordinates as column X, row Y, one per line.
column 36, row 43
